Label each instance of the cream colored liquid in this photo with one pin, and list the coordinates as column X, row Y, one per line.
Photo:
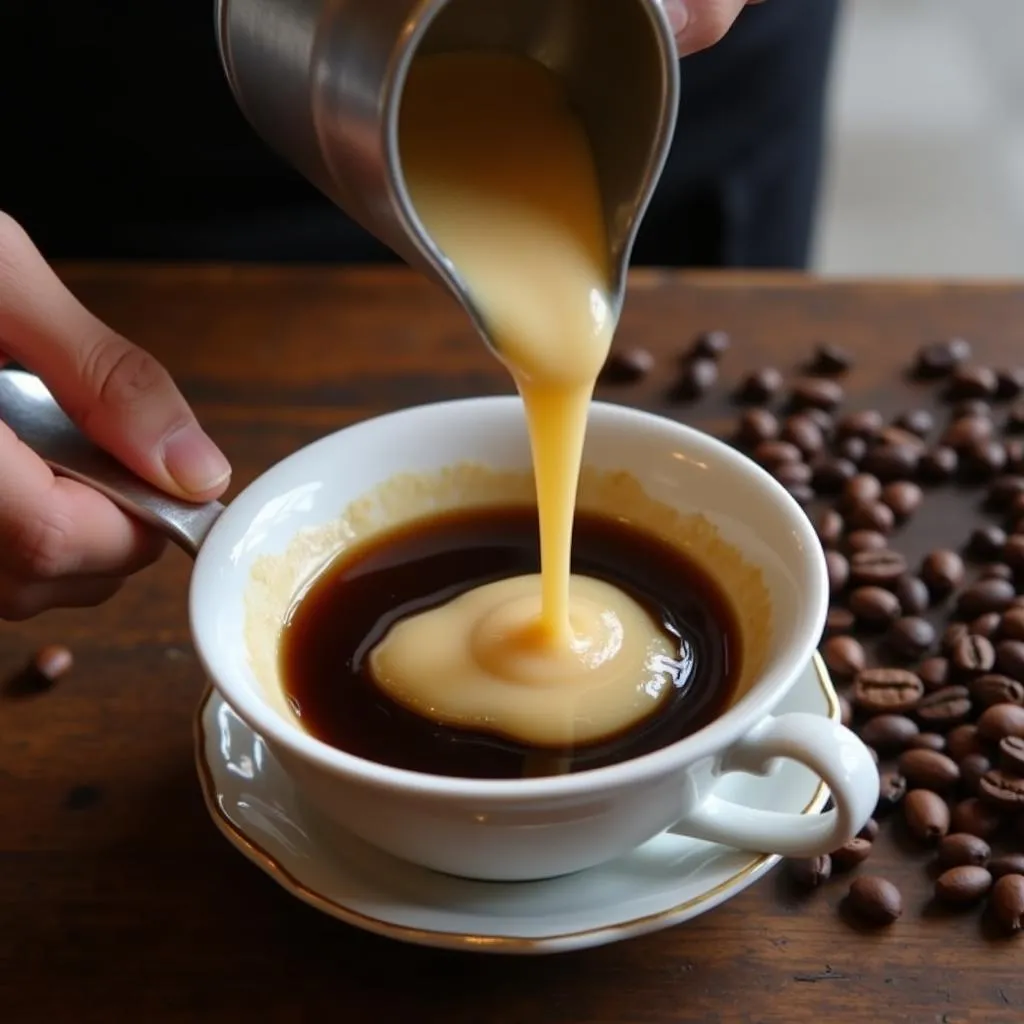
column 500, row 171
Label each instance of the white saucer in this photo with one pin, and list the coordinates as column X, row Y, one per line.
column 665, row 882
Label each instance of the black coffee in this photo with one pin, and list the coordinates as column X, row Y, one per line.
column 327, row 640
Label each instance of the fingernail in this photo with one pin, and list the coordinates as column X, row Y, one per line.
column 678, row 15
column 194, row 461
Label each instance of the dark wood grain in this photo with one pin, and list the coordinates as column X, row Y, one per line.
column 118, row 899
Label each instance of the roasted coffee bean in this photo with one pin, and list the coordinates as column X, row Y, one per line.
column 892, row 461
column 874, row 606
column 916, row 421
column 941, row 358
column 1014, row 448
column 1001, row 720
column 804, row 433
column 1009, row 382
column 942, row 572
column 52, row 661
column 830, row 474
column 830, row 359
column 959, row 849
column 810, row 872
column 802, row 494
column 829, row 528
column 825, row 420
column 903, row 497
column 1015, row 419
column 984, row 596
column 813, row 392
column 962, row 886
column 838, row 620
column 927, row 741
column 756, row 426
column 874, row 900
column 1017, row 506
column 1011, row 755
column 1010, row 658
column 966, row 431
column 792, row 474
column 838, row 571
column 862, row 489
column 865, row 423
column 899, row 436
column 1011, row 627
column 938, row 464
column 972, row 655
column 952, row 635
column 970, row 407
column 1002, row 789
column 913, row 595
column 985, row 625
column 972, row 382
column 943, row 708
column 852, row 448
column 982, row 461
column 892, row 787
column 987, row 541
column 975, row 817
column 934, row 673
column 760, row 386
column 1003, row 490
column 928, row 769
column 910, row 637
column 877, row 568
column 995, row 571
column 963, row 741
column 712, row 344
column 697, row 378
column 926, row 815
column 865, row 540
column 972, row 768
column 888, row 733
column 851, row 853
column 845, row 711
column 1006, row 864
column 844, row 656
column 869, row 831
column 992, row 689
column 871, row 516
column 627, row 365
column 774, row 453
column 880, row 690
column 1007, row 903
column 1013, row 552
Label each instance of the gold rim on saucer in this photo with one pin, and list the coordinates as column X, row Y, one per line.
column 453, row 940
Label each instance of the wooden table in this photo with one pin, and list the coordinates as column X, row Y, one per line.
column 118, row 899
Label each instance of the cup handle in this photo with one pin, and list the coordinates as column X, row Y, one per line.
column 831, row 751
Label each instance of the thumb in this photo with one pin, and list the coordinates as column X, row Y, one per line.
column 698, row 24
column 117, row 394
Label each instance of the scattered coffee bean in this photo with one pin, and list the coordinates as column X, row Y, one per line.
column 903, row 497
column 952, row 635
column 816, row 393
column 913, row 595
column 888, row 733
column 894, row 435
column 970, row 407
column 874, row 606
column 875, row 900
column 982, row 461
column 992, row 688
column 892, row 787
column 1011, row 755
column 865, row 540
column 995, row 571
column 865, row 424
column 1006, row 864
column 1003, row 490
column 1011, row 627
column 1010, row 658
column 880, row 690
column 830, row 359
column 927, row 741
column 1002, row 789
column 963, row 741
column 966, row 431
column 942, row 572
column 852, row 448
column 910, row 637
column 1015, row 419
column 829, row 528
column 712, row 344
column 838, row 571
column 850, row 854
column 838, row 620
column 972, row 382
column 962, row 886
column 916, row 421
column 938, row 465
column 756, row 426
column 972, row 655
column 928, row 769
column 986, row 625
column 1013, row 552
column 698, row 377
column 934, row 673
column 844, row 656
column 627, row 365
column 1009, row 383
column 992, row 595
column 52, row 662
column 1001, row 720
column 987, row 541
column 892, row 461
column 1007, row 903
column 810, row 872
column 830, row 474
column 862, row 489
column 972, row 768
column 944, row 708
column 977, row 818
column 959, row 849
column 792, row 474
column 803, row 432
column 941, row 358
column 774, row 453
column 1014, row 449
column 871, row 516
column 926, row 815
column 877, row 568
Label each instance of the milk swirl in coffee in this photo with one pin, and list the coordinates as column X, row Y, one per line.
column 500, row 171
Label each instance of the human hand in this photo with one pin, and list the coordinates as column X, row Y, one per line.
column 62, row 544
column 699, row 24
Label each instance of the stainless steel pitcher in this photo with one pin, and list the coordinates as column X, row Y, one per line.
column 321, row 81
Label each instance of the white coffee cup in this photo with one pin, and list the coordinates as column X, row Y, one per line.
column 251, row 566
